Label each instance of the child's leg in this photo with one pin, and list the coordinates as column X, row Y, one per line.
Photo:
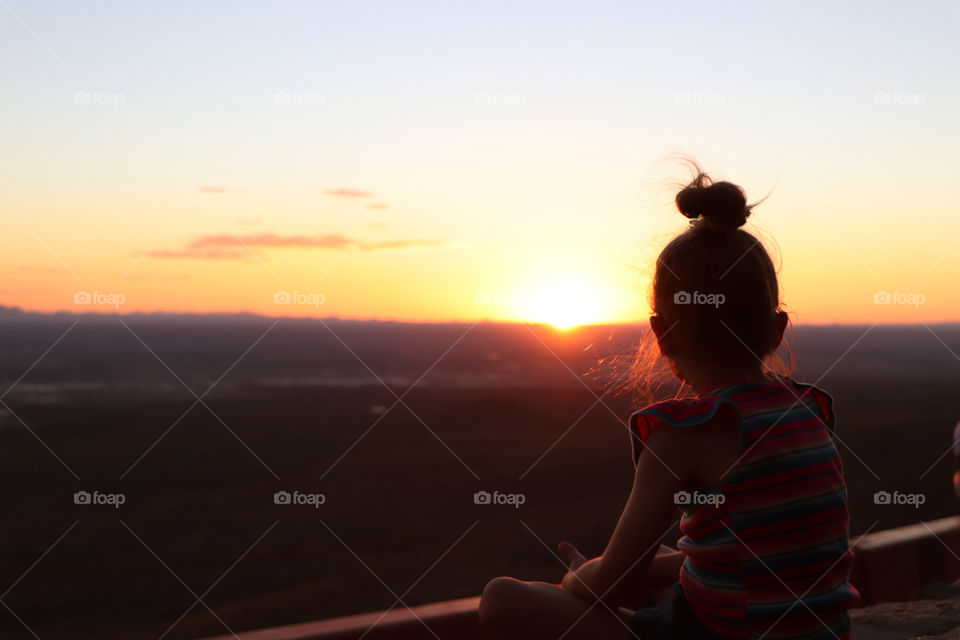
column 540, row 610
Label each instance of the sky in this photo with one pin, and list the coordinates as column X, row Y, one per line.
column 437, row 161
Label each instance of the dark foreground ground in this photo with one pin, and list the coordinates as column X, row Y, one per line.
column 501, row 412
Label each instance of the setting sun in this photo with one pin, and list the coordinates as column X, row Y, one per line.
column 565, row 303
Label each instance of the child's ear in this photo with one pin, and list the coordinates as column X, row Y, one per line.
column 782, row 320
column 660, row 330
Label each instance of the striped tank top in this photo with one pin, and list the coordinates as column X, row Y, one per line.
column 771, row 558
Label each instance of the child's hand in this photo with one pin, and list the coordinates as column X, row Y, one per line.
column 577, row 564
column 573, row 555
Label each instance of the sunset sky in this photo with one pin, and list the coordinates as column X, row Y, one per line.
column 408, row 160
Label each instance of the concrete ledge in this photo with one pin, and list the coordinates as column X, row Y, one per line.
column 449, row 619
column 889, row 566
column 892, row 565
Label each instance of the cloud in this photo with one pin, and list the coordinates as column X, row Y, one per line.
column 212, row 188
column 230, row 247
column 173, row 277
column 348, row 193
column 378, row 205
column 190, row 252
column 399, row 244
column 329, row 241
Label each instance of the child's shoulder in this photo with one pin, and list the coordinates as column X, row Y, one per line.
column 724, row 406
column 692, row 417
column 681, row 412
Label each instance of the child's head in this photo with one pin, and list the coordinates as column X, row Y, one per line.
column 715, row 298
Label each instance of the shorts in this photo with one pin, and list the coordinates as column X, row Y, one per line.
column 672, row 619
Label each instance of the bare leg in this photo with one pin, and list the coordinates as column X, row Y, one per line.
column 513, row 609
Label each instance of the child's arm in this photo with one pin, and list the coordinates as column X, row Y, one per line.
column 662, row 572
column 627, row 562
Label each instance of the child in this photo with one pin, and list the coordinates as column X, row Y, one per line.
column 750, row 461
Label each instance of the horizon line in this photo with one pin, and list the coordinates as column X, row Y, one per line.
column 6, row 312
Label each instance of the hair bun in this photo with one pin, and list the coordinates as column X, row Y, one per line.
column 722, row 203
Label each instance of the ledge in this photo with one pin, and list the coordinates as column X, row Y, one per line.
column 449, row 619
column 893, row 565
column 889, row 566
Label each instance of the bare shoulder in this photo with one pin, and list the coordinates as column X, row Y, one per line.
column 701, row 453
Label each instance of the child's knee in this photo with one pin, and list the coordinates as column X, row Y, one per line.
column 498, row 601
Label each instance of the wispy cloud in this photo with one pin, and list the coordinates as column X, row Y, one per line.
column 329, row 241
column 399, row 244
column 230, row 247
column 348, row 193
column 378, row 205
column 212, row 188
column 190, row 252
column 173, row 277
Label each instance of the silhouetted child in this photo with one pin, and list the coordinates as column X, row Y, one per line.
column 750, row 461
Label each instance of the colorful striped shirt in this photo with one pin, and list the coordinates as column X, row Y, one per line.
column 770, row 559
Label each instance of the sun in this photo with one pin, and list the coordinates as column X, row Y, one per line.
column 564, row 303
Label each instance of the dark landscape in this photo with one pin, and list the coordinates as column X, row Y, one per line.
column 199, row 546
